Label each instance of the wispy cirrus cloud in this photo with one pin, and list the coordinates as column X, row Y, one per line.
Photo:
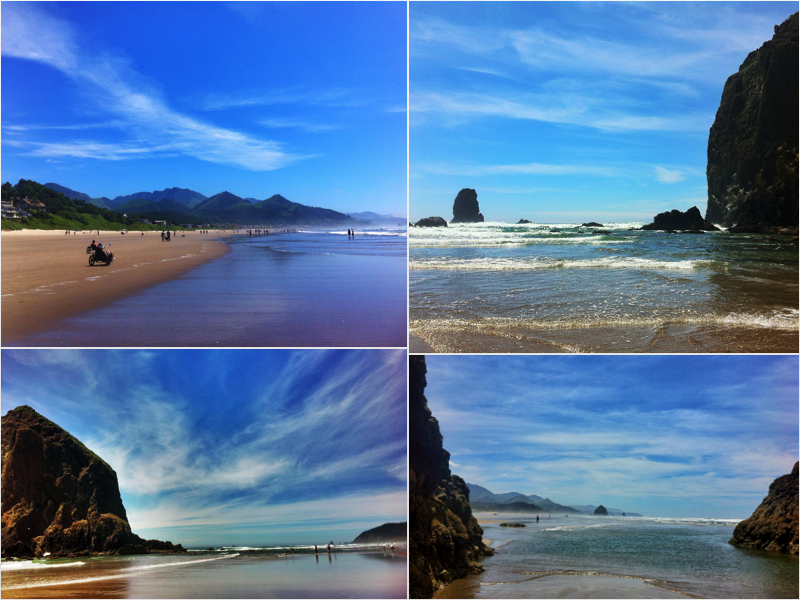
column 195, row 435
column 524, row 169
column 594, row 427
column 667, row 176
column 31, row 33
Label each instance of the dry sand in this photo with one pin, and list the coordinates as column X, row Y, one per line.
column 46, row 275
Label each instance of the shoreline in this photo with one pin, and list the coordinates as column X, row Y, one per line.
column 46, row 276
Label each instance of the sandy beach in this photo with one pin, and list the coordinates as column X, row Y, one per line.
column 46, row 275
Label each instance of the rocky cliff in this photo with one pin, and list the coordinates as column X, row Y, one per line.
column 445, row 539
column 773, row 525
column 465, row 207
column 60, row 497
column 753, row 144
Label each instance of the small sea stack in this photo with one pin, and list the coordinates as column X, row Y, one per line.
column 773, row 525
column 431, row 222
column 465, row 207
column 691, row 220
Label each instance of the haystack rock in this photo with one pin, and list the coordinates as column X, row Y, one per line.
column 431, row 222
column 601, row 511
column 773, row 525
column 691, row 220
column 465, row 207
column 445, row 540
column 753, row 144
column 60, row 497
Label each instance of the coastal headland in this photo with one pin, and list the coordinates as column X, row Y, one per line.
column 47, row 277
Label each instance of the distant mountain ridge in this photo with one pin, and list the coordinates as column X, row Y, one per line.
column 484, row 500
column 378, row 219
column 484, row 497
column 173, row 203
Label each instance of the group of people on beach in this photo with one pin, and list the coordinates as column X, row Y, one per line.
column 351, row 233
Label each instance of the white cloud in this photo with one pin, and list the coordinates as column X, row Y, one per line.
column 667, row 176
column 30, row 33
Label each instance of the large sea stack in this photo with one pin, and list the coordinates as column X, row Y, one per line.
column 773, row 525
column 752, row 147
column 465, row 207
column 60, row 497
column 445, row 539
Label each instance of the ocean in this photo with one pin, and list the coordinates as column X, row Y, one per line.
column 498, row 287
column 623, row 557
column 299, row 289
column 352, row 571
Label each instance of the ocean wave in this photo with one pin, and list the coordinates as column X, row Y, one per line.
column 129, row 572
column 21, row 565
column 785, row 319
column 531, row 264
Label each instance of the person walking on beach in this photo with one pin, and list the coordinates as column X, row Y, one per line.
column 315, row 548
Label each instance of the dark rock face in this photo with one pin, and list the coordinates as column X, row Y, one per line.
column 445, row 539
column 752, row 147
column 431, row 222
column 773, row 525
column 388, row 532
column 692, row 219
column 60, row 497
column 591, row 224
column 601, row 510
column 465, row 207
column 523, row 222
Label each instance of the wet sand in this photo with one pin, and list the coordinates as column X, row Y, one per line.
column 558, row 586
column 46, row 275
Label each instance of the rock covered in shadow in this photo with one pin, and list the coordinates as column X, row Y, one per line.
column 465, row 207
column 752, row 167
column 601, row 511
column 60, row 497
column 691, row 220
column 445, row 540
column 431, row 222
column 773, row 525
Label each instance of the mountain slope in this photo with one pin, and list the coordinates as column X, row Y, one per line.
column 388, row 532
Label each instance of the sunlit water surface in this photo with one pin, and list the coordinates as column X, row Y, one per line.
column 650, row 557
column 496, row 287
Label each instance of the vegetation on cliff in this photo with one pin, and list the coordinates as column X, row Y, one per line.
column 59, row 497
column 445, row 539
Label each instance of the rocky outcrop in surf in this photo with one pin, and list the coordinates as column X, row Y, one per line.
column 445, row 540
column 465, row 207
column 601, row 511
column 691, row 220
column 773, row 525
column 753, row 144
column 431, row 222
column 59, row 497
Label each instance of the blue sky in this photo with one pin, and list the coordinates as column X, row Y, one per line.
column 667, row 436
column 565, row 111
column 222, row 447
column 304, row 99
